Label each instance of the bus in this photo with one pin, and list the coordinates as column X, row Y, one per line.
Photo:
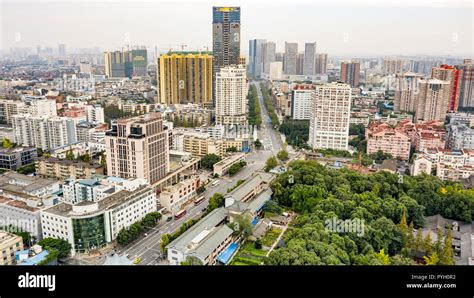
column 180, row 214
column 215, row 183
column 199, row 200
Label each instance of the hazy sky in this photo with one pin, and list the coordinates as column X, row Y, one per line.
column 340, row 27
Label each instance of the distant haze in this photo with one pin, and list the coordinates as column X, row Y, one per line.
column 339, row 27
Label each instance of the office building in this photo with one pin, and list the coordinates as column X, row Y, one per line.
column 350, row 73
column 406, row 90
column 321, row 63
column 453, row 76
column 185, row 78
column 231, row 96
column 432, row 100
column 176, row 197
column 309, row 66
column 91, row 225
column 290, row 58
column 302, row 102
column 329, row 123
column 137, row 147
column 43, row 132
column 269, row 55
column 225, row 37
column 276, row 70
column 255, row 66
column 299, row 63
column 14, row 158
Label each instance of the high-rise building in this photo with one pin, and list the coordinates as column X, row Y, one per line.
column 276, row 70
column 392, row 66
column 184, row 78
column 256, row 57
column 432, row 100
column 350, row 73
column 302, row 102
column 231, row 94
column 269, row 55
column 329, row 123
column 115, row 64
column 137, row 147
column 95, row 114
column 290, row 57
column 120, row 64
column 452, row 75
column 299, row 63
column 43, row 132
column 321, row 63
column 139, row 62
column 225, row 36
column 406, row 92
column 61, row 49
column 466, row 92
column 309, row 66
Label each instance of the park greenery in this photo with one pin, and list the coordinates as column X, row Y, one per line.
column 239, row 182
column 26, row 170
column 127, row 235
column 255, row 116
column 62, row 247
column 269, row 105
column 381, row 200
column 296, row 132
column 209, row 160
column 215, row 201
column 7, row 144
column 236, row 167
column 359, row 142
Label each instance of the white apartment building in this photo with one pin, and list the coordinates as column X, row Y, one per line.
column 329, row 123
column 95, row 114
column 43, row 131
column 88, row 225
column 301, row 104
column 42, row 107
column 451, row 165
column 76, row 191
column 460, row 136
column 231, row 96
column 9, row 108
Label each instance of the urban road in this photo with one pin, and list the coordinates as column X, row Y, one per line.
column 148, row 248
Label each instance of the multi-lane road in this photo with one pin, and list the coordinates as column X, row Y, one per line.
column 148, row 249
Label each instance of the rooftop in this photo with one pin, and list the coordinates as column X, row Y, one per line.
column 243, row 189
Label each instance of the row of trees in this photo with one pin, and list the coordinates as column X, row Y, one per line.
column 379, row 201
column 168, row 238
column 84, row 157
column 127, row 235
column 269, row 105
column 255, row 115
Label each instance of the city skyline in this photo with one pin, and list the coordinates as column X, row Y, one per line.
column 397, row 32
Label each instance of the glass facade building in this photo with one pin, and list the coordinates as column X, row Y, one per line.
column 89, row 233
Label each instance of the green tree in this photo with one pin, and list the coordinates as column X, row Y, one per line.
column 271, row 163
column 209, row 160
column 216, row 201
column 447, row 254
column 258, row 144
column 192, row 261
column 427, row 244
column 165, row 240
column 438, row 246
column 419, row 241
column 6, row 143
column 231, row 149
column 70, row 155
column 383, row 257
column 63, row 247
column 432, row 259
column 282, row 155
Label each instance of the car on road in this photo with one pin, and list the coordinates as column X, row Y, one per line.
column 170, row 218
column 137, row 261
column 145, row 235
